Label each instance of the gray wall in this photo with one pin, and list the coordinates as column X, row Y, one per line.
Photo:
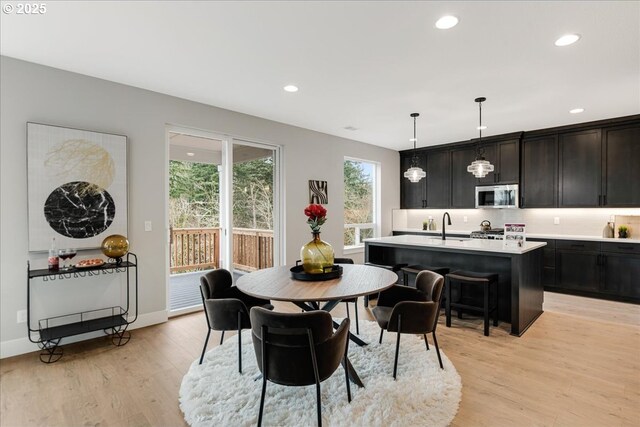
column 31, row 92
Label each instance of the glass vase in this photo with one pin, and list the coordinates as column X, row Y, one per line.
column 316, row 255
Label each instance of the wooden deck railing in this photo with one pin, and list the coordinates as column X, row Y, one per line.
column 199, row 248
column 194, row 248
column 252, row 249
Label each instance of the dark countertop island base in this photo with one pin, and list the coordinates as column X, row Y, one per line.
column 520, row 289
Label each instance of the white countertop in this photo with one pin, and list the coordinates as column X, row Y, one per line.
column 579, row 237
column 478, row 245
column 528, row 235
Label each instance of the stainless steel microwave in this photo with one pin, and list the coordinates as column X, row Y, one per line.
column 497, row 196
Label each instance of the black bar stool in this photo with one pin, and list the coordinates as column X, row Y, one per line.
column 395, row 268
column 417, row 268
column 477, row 279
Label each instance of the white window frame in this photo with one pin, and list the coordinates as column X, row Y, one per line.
column 377, row 209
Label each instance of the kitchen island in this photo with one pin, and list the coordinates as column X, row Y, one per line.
column 520, row 289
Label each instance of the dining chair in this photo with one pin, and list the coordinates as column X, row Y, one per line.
column 349, row 300
column 298, row 349
column 226, row 307
column 407, row 310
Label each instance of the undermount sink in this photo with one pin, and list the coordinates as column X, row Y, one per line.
column 452, row 239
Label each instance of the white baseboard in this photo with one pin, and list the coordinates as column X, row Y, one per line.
column 23, row 345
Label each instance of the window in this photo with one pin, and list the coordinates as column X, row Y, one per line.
column 361, row 202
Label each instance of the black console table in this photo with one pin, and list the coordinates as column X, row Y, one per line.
column 113, row 320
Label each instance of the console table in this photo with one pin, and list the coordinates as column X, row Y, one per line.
column 113, row 320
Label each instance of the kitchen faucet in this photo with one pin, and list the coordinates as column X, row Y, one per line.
column 444, row 237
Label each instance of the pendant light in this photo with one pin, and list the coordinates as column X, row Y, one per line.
column 415, row 172
column 480, row 167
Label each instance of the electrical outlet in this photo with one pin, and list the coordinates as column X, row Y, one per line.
column 556, row 220
column 147, row 226
column 464, row 219
column 22, row 316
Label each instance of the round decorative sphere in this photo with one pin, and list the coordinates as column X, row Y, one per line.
column 115, row 246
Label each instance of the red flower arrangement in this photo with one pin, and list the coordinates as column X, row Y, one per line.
column 317, row 215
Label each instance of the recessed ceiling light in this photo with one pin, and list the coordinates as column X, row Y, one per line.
column 191, row 154
column 567, row 39
column 483, row 127
column 446, row 22
column 413, row 140
column 576, row 110
column 291, row 88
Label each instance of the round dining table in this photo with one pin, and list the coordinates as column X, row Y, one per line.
column 277, row 284
column 357, row 280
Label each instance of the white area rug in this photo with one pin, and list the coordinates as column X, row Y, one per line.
column 216, row 394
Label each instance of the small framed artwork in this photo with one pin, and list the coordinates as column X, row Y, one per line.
column 318, row 193
column 77, row 186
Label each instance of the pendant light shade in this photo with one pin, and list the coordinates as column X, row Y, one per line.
column 480, row 167
column 415, row 172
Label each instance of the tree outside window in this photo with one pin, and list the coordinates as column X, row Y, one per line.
column 359, row 201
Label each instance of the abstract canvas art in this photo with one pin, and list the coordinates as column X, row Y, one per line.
column 77, row 184
column 318, row 192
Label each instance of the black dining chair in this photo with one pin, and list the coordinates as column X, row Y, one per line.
column 407, row 310
column 226, row 307
column 349, row 300
column 298, row 349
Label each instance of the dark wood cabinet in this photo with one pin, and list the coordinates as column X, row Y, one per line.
column 577, row 166
column 594, row 269
column 620, row 274
column 587, row 168
column 621, row 166
column 548, row 262
column 505, row 157
column 508, row 153
column 439, row 179
column 413, row 195
column 463, row 184
column 620, row 264
column 578, row 269
column 539, row 184
column 579, row 179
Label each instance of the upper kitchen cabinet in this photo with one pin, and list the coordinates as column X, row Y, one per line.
column 584, row 165
column 599, row 167
column 463, row 184
column 539, row 184
column 621, row 166
column 439, row 179
column 579, row 178
column 413, row 195
column 505, row 157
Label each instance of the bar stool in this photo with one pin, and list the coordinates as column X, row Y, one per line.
column 473, row 278
column 417, row 268
column 395, row 268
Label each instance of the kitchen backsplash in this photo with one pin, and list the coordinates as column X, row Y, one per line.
column 579, row 222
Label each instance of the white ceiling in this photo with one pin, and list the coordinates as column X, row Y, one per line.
column 361, row 64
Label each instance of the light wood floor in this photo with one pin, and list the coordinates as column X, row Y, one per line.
column 569, row 369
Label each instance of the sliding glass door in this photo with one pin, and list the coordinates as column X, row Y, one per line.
column 254, row 182
column 223, row 210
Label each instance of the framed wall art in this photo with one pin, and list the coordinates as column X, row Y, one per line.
column 77, row 186
column 318, row 192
